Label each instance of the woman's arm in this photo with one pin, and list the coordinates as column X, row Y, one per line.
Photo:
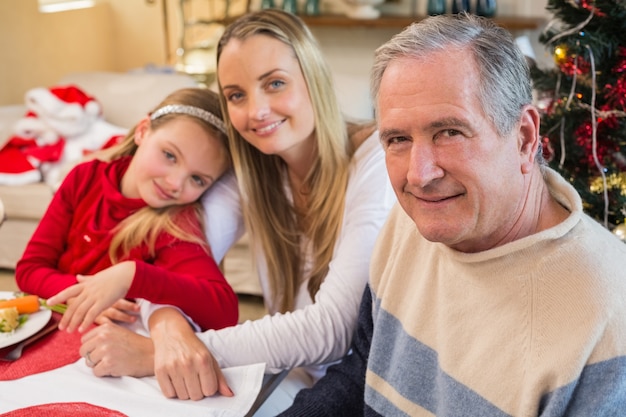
column 320, row 332
column 223, row 221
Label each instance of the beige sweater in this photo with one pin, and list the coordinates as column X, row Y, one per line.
column 534, row 326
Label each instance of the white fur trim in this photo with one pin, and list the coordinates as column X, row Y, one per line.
column 22, row 178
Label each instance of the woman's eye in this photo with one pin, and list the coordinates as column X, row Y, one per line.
column 277, row 84
column 234, row 96
column 169, row 156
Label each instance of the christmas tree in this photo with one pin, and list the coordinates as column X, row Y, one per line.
column 583, row 103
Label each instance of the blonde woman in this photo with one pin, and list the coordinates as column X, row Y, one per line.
column 314, row 194
column 129, row 223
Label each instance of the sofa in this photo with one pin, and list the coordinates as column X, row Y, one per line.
column 125, row 98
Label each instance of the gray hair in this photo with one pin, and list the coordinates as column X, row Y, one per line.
column 505, row 84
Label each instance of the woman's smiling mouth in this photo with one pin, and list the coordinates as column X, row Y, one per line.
column 269, row 128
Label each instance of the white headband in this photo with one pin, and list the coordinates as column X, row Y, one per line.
column 208, row 117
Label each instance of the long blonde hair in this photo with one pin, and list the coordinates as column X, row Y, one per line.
column 145, row 225
column 269, row 215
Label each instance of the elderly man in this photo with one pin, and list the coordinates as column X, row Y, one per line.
column 506, row 299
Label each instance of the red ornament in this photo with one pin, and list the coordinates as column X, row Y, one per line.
column 591, row 7
column 546, row 149
column 605, row 147
column 576, row 64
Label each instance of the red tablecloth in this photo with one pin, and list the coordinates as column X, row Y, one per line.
column 65, row 410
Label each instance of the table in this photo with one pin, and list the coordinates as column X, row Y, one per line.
column 270, row 382
column 52, row 376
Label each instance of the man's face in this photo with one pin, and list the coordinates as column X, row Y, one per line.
column 460, row 182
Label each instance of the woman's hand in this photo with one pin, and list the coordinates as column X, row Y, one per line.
column 93, row 294
column 183, row 365
column 113, row 350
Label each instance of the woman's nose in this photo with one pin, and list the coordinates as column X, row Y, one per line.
column 259, row 107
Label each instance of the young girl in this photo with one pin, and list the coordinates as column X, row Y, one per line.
column 130, row 224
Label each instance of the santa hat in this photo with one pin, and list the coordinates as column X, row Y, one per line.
column 63, row 110
column 61, row 101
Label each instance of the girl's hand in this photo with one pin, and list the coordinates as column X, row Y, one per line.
column 183, row 365
column 92, row 295
column 123, row 311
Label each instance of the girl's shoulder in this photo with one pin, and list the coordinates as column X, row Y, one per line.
column 85, row 170
column 89, row 165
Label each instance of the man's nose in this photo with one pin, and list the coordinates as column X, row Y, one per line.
column 423, row 166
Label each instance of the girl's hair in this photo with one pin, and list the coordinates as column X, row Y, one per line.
column 144, row 226
column 269, row 215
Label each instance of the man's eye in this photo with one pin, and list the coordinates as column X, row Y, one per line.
column 450, row 133
column 396, row 140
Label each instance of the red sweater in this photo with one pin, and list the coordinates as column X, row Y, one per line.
column 73, row 238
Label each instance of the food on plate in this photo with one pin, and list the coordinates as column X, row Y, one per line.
column 26, row 304
column 9, row 319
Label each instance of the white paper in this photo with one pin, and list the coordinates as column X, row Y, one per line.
column 135, row 397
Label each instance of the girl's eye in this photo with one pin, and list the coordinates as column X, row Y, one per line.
column 199, row 181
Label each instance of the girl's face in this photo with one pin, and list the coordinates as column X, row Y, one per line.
column 174, row 164
column 267, row 98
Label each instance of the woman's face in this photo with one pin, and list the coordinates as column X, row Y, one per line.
column 267, row 98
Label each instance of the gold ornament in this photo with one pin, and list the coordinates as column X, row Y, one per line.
column 560, row 54
column 613, row 182
column 620, row 232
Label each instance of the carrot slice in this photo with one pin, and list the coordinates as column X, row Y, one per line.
column 25, row 305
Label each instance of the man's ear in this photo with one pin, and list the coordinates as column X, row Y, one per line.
column 528, row 137
column 141, row 130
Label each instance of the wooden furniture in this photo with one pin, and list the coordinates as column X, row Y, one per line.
column 508, row 22
column 201, row 24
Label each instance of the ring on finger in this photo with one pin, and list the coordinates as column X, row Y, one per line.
column 90, row 363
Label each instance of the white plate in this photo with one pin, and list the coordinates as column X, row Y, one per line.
column 35, row 322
